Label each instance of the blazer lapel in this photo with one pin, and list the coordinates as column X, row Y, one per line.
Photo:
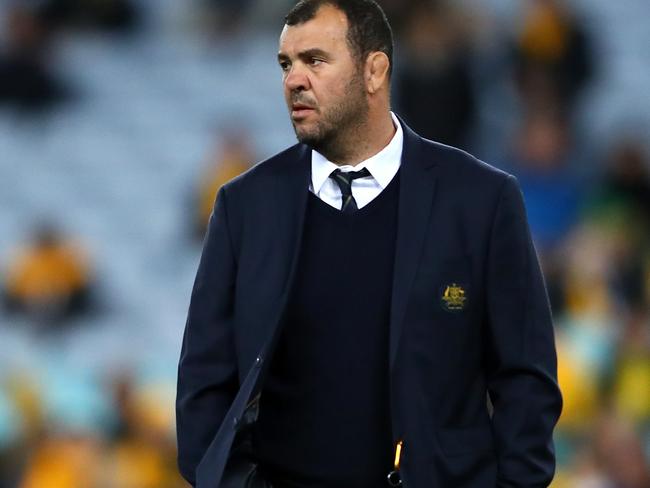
column 417, row 185
column 291, row 192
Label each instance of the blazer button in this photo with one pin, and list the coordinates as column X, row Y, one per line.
column 235, row 422
column 258, row 361
column 394, row 478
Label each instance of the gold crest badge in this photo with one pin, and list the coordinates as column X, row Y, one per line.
column 454, row 298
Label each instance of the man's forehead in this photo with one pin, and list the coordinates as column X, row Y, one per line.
column 329, row 25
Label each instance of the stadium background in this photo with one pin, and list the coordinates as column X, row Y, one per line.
column 119, row 119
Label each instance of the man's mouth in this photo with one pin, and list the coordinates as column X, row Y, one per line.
column 301, row 110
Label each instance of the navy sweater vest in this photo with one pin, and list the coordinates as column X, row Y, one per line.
column 324, row 416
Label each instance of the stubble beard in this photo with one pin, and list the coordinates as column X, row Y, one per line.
column 340, row 123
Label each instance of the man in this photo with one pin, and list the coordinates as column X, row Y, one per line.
column 363, row 296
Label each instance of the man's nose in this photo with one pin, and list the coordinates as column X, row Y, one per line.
column 296, row 79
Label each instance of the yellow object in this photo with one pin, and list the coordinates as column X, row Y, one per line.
column 398, row 454
column 454, row 297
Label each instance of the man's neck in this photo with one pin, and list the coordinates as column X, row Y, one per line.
column 363, row 142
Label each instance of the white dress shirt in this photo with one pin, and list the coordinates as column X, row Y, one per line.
column 382, row 166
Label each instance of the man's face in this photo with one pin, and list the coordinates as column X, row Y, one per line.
column 323, row 82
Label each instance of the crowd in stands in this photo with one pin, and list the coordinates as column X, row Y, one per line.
column 588, row 203
column 135, row 449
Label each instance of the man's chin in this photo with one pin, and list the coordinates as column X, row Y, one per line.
column 310, row 138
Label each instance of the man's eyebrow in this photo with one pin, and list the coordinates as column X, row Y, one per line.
column 306, row 54
column 310, row 53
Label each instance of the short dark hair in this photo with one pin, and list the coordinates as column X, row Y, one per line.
column 368, row 27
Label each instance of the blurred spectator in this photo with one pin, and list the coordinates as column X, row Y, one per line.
column 631, row 388
column 225, row 18
column 619, row 452
column 586, row 329
column 50, row 279
column 580, row 389
column 543, row 159
column 552, row 55
column 604, row 339
column 611, row 457
column 434, row 89
column 108, row 15
column 584, row 472
column 397, row 12
column 588, row 323
column 233, row 157
column 21, row 413
column 26, row 79
column 622, row 203
column 627, row 178
column 142, row 452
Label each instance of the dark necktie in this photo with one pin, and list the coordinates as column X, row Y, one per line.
column 344, row 180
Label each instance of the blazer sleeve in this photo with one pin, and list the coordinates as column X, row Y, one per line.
column 207, row 370
column 521, row 357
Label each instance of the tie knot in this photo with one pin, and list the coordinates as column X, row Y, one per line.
column 344, row 181
column 345, row 178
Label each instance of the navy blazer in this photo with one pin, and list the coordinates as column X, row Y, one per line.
column 474, row 394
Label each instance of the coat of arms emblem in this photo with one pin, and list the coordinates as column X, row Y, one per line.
column 453, row 298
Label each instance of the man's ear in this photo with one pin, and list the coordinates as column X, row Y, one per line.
column 376, row 71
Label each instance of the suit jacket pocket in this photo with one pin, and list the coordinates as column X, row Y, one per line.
column 454, row 442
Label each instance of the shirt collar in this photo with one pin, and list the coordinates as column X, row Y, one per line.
column 382, row 166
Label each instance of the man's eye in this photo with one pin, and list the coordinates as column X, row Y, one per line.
column 315, row 61
column 284, row 66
